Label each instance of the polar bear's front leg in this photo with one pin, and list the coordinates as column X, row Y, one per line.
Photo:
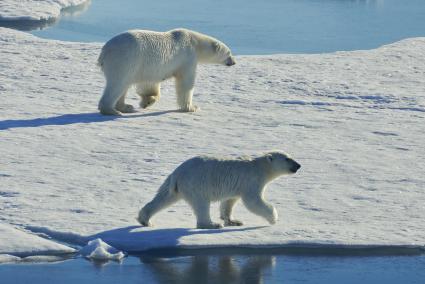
column 184, row 89
column 226, row 207
column 149, row 93
column 257, row 205
column 202, row 212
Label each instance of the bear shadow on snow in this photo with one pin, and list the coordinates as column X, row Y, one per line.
column 72, row 118
column 135, row 239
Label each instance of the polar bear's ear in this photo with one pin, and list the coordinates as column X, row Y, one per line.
column 269, row 158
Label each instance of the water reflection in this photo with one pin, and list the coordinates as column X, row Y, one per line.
column 209, row 268
column 29, row 25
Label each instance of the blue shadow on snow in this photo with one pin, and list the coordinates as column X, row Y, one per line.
column 135, row 239
column 72, row 118
column 138, row 240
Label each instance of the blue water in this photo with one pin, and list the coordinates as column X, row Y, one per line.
column 253, row 26
column 200, row 268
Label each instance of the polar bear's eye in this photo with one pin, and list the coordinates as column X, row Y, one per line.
column 215, row 46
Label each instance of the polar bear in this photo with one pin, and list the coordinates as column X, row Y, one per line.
column 202, row 180
column 146, row 58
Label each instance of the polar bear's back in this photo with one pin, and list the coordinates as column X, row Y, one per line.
column 216, row 178
column 139, row 50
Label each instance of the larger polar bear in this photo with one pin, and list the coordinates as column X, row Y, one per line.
column 146, row 58
column 202, row 180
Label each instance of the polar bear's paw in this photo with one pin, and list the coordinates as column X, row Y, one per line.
column 210, row 226
column 273, row 217
column 126, row 108
column 143, row 219
column 110, row 111
column 190, row 108
column 146, row 224
column 233, row 223
column 147, row 101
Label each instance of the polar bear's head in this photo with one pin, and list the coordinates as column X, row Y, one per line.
column 211, row 50
column 279, row 163
column 221, row 54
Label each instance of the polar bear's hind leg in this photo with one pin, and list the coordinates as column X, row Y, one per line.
column 112, row 93
column 166, row 196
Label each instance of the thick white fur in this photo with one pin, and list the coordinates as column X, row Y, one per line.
column 202, row 180
column 146, row 58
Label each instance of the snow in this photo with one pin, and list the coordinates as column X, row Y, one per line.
column 7, row 258
column 35, row 10
column 354, row 120
column 99, row 250
column 15, row 244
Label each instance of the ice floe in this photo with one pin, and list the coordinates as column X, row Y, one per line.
column 35, row 10
column 75, row 175
column 99, row 250
column 15, row 244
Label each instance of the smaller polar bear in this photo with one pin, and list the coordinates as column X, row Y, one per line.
column 146, row 58
column 202, row 180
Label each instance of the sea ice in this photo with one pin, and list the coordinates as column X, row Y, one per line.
column 15, row 244
column 354, row 120
column 7, row 258
column 99, row 250
column 34, row 10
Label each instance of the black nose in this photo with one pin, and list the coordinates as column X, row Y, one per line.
column 296, row 167
column 230, row 61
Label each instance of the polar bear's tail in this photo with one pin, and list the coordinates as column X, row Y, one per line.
column 101, row 58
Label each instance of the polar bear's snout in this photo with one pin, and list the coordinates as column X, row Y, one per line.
column 295, row 167
column 230, row 61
